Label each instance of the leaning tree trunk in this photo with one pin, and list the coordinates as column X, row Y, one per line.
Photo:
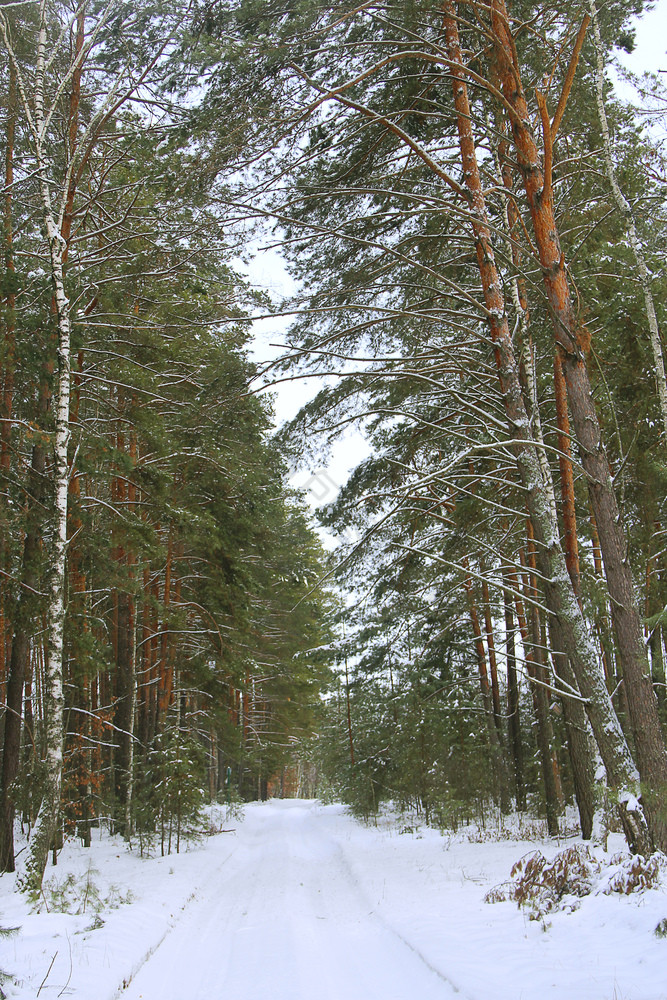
column 589, row 783
column 621, row 771
column 571, row 339
column 588, row 789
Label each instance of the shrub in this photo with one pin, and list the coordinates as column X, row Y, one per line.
column 78, row 895
column 169, row 800
column 541, row 886
column 6, row 977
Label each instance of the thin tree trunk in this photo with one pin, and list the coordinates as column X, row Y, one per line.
column 8, row 373
column 513, row 715
column 165, row 686
column 537, row 670
column 500, row 781
column 570, row 538
column 589, row 788
column 78, row 678
column 124, row 707
column 144, row 675
column 349, row 711
column 29, row 751
column 124, row 654
column 25, row 614
column 614, row 681
column 491, row 646
column 584, row 759
column 7, row 403
column 654, row 605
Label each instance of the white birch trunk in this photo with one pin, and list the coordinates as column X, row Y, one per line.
column 39, row 117
column 47, row 816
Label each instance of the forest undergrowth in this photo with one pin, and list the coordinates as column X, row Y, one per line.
column 540, row 883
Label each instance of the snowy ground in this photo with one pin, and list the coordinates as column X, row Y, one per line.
column 301, row 901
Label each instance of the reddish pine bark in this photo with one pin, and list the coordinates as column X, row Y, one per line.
column 572, row 340
column 558, row 586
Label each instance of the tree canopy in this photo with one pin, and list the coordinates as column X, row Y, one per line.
column 475, row 225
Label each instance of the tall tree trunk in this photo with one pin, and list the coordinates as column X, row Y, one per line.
column 572, row 339
column 584, row 760
column 144, row 675
column 124, row 707
column 7, row 401
column 12, row 682
column 513, row 717
column 46, row 822
column 589, row 787
column 570, row 538
column 166, row 680
column 621, row 771
column 349, row 711
column 26, row 622
column 124, row 649
column 654, row 605
column 491, row 646
column 500, row 777
column 153, row 715
column 537, row 671
column 29, row 750
column 603, row 630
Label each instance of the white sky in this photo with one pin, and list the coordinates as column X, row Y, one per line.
column 651, row 41
column 320, row 482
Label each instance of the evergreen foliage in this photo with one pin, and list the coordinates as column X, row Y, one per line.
column 492, row 620
column 186, row 550
column 368, row 180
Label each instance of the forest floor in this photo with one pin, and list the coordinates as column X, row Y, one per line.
column 298, row 900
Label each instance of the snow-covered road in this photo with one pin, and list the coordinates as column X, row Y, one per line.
column 284, row 917
column 298, row 900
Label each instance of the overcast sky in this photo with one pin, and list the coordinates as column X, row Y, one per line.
column 651, row 41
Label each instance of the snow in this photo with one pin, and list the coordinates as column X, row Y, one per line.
column 632, row 803
column 299, row 900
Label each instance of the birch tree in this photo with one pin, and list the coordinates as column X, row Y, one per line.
column 43, row 90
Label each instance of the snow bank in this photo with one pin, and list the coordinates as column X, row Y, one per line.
column 296, row 884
